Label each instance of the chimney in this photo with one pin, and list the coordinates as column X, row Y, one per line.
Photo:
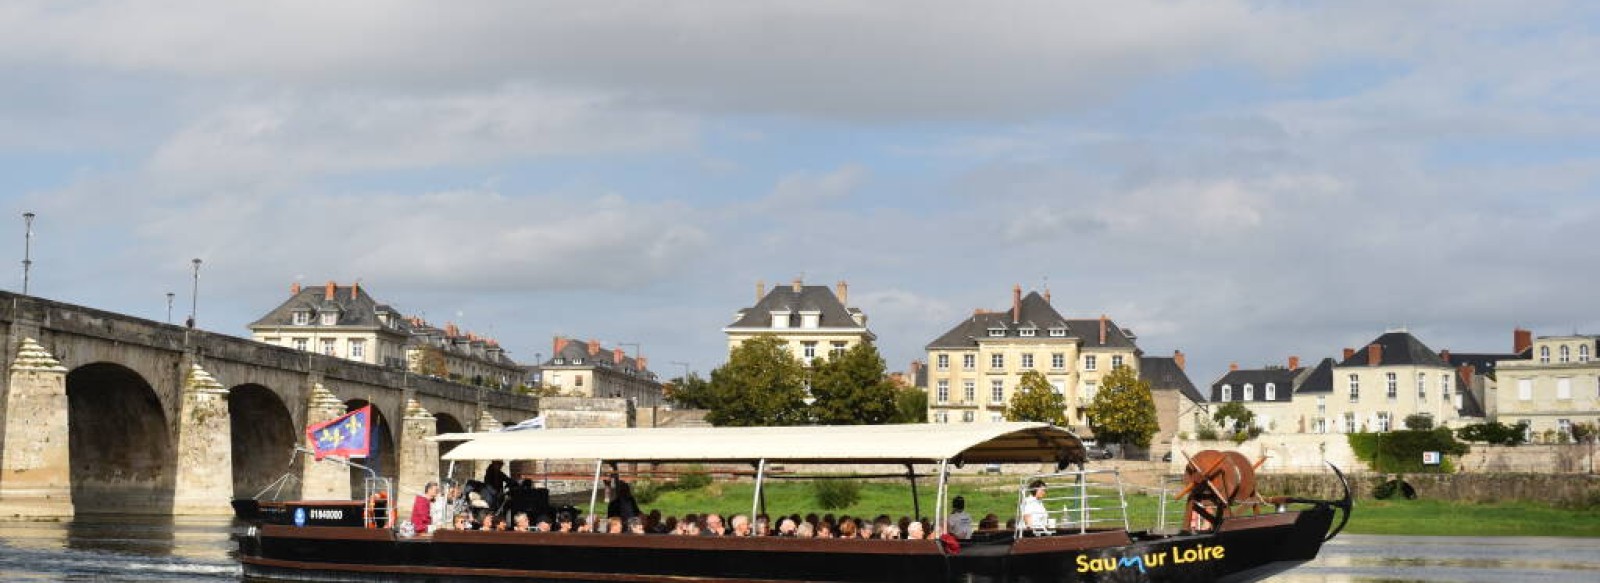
column 1445, row 354
column 1233, row 366
column 294, row 289
column 1521, row 340
column 1466, row 372
column 327, row 292
column 642, row 363
column 1016, row 304
column 843, row 291
column 594, row 347
column 916, row 369
column 556, row 345
column 1103, row 323
column 616, row 355
column 1374, row 354
column 797, row 285
column 1294, row 363
column 979, row 311
column 1047, row 295
column 1177, row 358
column 1349, row 352
column 761, row 289
column 355, row 290
column 451, row 330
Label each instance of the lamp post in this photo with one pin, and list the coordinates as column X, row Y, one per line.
column 170, row 295
column 194, row 293
column 27, row 249
column 685, row 366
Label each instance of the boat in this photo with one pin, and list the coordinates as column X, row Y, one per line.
column 1228, row 532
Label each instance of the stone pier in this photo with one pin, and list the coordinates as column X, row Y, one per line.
column 204, row 484
column 419, row 457
column 323, row 480
column 35, row 467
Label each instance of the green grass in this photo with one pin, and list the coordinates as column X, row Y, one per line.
column 1402, row 517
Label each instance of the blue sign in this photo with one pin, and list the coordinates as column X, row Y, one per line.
column 299, row 517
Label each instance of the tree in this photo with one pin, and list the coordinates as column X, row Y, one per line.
column 761, row 384
column 850, row 388
column 1234, row 416
column 1495, row 433
column 1036, row 400
column 911, row 405
column 1123, row 410
column 692, row 392
column 1419, row 421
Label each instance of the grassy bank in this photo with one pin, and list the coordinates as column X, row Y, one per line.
column 1403, row 517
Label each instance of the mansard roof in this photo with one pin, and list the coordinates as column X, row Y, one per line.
column 355, row 307
column 575, row 353
column 810, row 298
column 1399, row 349
column 1035, row 314
column 1318, row 379
column 1164, row 373
column 1282, row 378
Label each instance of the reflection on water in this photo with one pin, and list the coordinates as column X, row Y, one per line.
column 122, row 548
column 1438, row 558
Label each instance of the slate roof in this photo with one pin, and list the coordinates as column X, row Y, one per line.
column 819, row 298
column 1036, row 313
column 575, row 353
column 1319, row 379
column 1399, row 349
column 1164, row 374
column 1470, row 407
column 1282, row 378
column 356, row 310
column 1485, row 363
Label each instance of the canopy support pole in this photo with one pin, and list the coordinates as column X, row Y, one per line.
column 938, row 525
column 450, row 471
column 916, row 503
column 594, row 492
column 755, row 505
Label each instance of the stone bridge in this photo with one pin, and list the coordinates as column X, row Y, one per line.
column 107, row 413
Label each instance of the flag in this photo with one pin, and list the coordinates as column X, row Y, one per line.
column 534, row 423
column 347, row 436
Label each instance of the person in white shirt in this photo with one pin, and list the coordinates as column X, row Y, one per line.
column 1033, row 511
column 959, row 523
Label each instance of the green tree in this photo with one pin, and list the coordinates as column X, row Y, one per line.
column 761, row 384
column 1419, row 421
column 1234, row 416
column 911, row 405
column 850, row 388
column 692, row 392
column 1036, row 400
column 1123, row 410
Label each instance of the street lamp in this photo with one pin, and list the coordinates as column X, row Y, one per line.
column 194, row 293
column 169, row 306
column 685, row 366
column 27, row 249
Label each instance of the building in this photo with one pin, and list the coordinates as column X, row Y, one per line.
column 587, row 369
column 1376, row 387
column 1174, row 395
column 1555, row 386
column 346, row 322
column 976, row 365
column 1279, row 395
column 812, row 320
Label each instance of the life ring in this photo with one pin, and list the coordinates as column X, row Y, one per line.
column 369, row 510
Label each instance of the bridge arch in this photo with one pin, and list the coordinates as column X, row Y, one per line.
column 263, row 440
column 446, row 423
column 384, row 462
column 119, row 443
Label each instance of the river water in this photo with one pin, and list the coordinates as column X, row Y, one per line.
column 151, row 549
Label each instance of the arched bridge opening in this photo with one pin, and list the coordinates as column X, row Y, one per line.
column 263, row 441
column 119, row 444
column 446, row 423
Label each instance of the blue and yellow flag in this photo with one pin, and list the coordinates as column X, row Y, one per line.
column 346, row 436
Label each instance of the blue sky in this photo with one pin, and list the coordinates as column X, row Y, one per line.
column 1241, row 180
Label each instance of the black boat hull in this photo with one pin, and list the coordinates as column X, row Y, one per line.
column 1246, row 549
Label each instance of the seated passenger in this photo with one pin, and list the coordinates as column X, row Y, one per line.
column 542, row 524
column 636, row 525
column 714, row 526
column 741, row 525
column 825, row 529
column 959, row 523
column 462, row 521
column 614, row 525
column 519, row 522
column 914, row 531
column 889, row 532
column 805, row 530
column 989, row 522
column 847, row 528
column 689, row 526
column 564, row 522
column 786, row 527
column 762, row 526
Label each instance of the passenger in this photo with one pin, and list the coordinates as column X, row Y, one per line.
column 1033, row 512
column 670, row 525
column 462, row 521
column 905, row 521
column 652, row 522
column 914, row 531
column 889, row 532
column 614, row 525
column 542, row 524
column 635, row 525
column 491, row 521
column 786, row 527
column 564, row 521
column 714, row 526
column 762, row 526
column 989, row 522
column 959, row 523
column 496, row 483
column 825, row 530
column 520, row 522
column 690, row 526
column 741, row 525
column 805, row 530
column 864, row 530
column 422, row 508
column 812, row 519
column 622, row 504
column 847, row 529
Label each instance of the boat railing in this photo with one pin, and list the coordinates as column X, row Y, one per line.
column 1165, row 515
column 379, row 508
column 1077, row 502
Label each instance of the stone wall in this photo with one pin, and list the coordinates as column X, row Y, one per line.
column 586, row 412
column 1557, row 489
column 1560, row 459
column 664, row 417
column 1285, row 453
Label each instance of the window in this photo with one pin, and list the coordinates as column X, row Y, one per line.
column 1383, row 421
column 1566, row 354
column 1227, row 392
column 1350, row 422
column 943, row 361
column 1027, row 332
column 1525, row 389
column 997, row 332
column 966, row 416
column 941, row 417
column 1322, row 405
column 1059, row 387
column 1249, row 392
column 327, row 346
column 997, row 391
column 1564, row 427
column 1583, row 353
column 969, row 361
column 1272, row 392
column 997, row 361
column 1355, row 388
column 300, row 344
column 1058, row 332
column 942, row 393
column 808, row 352
column 969, row 389
column 837, row 349
column 1527, row 429
column 1088, row 362
column 577, row 380
column 1391, row 382
column 996, row 418
column 1058, row 361
column 330, row 318
column 1089, row 390
column 1422, row 386
column 302, row 318
column 555, row 379
column 1027, row 361
column 1544, row 355
column 1564, row 388
column 1444, row 386
column 1116, row 361
column 1319, row 425
column 358, row 349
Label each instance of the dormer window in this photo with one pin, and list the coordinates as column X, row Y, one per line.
column 780, row 318
column 810, row 319
column 330, row 318
column 302, row 318
column 1028, row 332
column 997, row 332
column 1058, row 332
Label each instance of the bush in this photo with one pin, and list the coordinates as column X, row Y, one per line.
column 1494, row 433
column 1206, row 432
column 1401, row 451
column 1419, row 422
column 836, row 494
column 694, row 477
column 646, row 492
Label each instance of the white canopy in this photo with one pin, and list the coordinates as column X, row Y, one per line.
column 919, row 443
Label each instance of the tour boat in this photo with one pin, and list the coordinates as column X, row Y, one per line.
column 1227, row 531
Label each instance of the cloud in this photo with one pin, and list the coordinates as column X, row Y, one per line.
column 807, row 189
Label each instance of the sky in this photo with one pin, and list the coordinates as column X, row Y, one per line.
column 1239, row 180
